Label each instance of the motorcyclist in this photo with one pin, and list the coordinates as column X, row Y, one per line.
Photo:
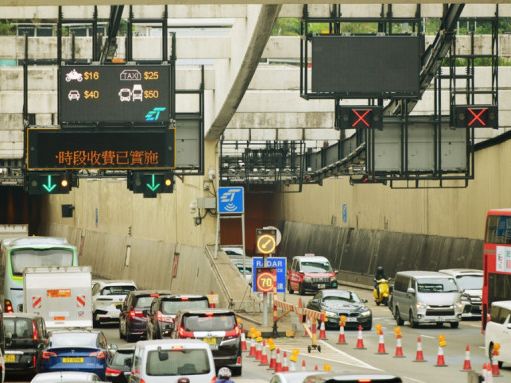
column 379, row 274
column 224, row 375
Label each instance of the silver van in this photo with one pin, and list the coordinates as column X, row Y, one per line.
column 426, row 297
column 169, row 360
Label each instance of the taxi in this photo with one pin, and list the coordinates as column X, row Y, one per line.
column 310, row 273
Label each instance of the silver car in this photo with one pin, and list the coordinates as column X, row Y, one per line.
column 421, row 297
column 65, row 377
column 107, row 299
column 470, row 282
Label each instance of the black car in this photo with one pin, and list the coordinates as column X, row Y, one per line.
column 134, row 310
column 25, row 338
column 119, row 367
column 352, row 377
column 342, row 302
column 216, row 327
column 164, row 309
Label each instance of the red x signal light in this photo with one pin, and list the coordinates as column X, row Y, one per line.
column 475, row 116
column 359, row 117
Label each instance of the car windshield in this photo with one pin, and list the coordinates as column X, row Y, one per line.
column 177, row 362
column 315, row 267
column 117, row 290
column 73, row 339
column 172, row 307
column 22, row 258
column 18, row 328
column 470, row 282
column 209, row 323
column 144, row 301
column 123, row 358
column 436, row 285
column 344, row 296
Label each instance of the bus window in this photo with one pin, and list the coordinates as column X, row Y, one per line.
column 498, row 230
column 20, row 259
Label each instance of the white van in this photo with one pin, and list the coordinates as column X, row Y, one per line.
column 498, row 330
column 157, row 361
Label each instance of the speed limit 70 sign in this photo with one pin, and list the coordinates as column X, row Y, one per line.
column 266, row 280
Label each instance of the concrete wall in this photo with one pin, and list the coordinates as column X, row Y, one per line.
column 357, row 253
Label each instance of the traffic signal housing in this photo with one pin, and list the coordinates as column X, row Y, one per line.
column 359, row 117
column 150, row 183
column 41, row 183
column 475, row 116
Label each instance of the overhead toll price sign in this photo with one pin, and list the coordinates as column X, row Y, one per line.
column 266, row 280
column 475, row 116
column 56, row 149
column 231, row 200
column 139, row 94
column 278, row 263
column 359, row 117
column 266, row 241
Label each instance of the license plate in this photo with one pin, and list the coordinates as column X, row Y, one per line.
column 10, row 358
column 210, row 341
column 72, row 360
column 350, row 319
column 321, row 286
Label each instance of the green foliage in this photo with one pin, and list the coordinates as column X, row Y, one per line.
column 6, row 28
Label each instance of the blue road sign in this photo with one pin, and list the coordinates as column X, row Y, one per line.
column 231, row 200
column 277, row 262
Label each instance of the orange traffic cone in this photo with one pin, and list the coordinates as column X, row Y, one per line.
column 278, row 365
column 258, row 351
column 304, row 365
column 273, row 361
column 381, row 345
column 316, row 368
column 495, row 370
column 360, row 339
column 264, row 355
column 399, row 348
column 440, row 359
column 243, row 342
column 419, row 355
column 342, row 336
column 322, row 327
column 467, row 366
column 252, row 352
column 285, row 367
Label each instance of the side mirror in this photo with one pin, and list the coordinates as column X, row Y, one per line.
column 112, row 347
column 40, row 346
column 8, row 339
column 336, row 271
column 128, row 362
column 410, row 290
column 145, row 312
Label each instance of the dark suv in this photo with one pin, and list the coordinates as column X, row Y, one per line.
column 134, row 310
column 25, row 338
column 216, row 327
column 163, row 313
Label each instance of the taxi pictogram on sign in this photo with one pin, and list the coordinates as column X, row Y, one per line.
column 266, row 280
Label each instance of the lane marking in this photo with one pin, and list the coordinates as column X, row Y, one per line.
column 427, row 336
column 358, row 361
column 413, row 380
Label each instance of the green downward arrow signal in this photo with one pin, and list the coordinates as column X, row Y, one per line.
column 153, row 186
column 49, row 186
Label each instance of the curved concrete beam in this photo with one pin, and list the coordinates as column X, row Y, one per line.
column 255, row 48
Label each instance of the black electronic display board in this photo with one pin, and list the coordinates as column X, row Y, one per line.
column 59, row 149
column 366, row 66
column 139, row 94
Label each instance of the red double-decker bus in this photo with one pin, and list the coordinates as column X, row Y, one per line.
column 496, row 260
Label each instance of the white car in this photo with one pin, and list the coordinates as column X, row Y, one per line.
column 65, row 377
column 293, row 377
column 498, row 330
column 470, row 283
column 238, row 263
column 73, row 95
column 233, row 252
column 166, row 360
column 74, row 75
column 125, row 95
column 107, row 299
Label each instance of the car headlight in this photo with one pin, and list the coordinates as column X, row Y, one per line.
column 458, row 305
column 365, row 313
column 333, row 279
column 421, row 306
column 331, row 314
column 465, row 299
column 307, row 279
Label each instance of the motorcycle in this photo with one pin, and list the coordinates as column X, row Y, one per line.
column 381, row 292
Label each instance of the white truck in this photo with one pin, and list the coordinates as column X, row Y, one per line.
column 61, row 295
